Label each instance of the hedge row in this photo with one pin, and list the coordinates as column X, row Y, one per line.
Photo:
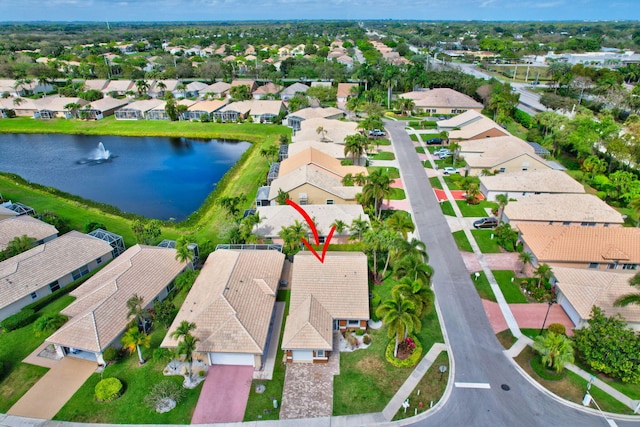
column 18, row 320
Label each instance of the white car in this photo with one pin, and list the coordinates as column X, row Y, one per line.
column 449, row 170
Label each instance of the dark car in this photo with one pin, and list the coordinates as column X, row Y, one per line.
column 488, row 222
column 434, row 141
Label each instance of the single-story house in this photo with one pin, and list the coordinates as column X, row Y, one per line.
column 471, row 125
column 273, row 218
column 521, row 184
column 265, row 111
column 98, row 316
column 442, row 101
column 329, row 148
column 158, row 88
column 137, row 110
column 295, row 119
column 264, row 91
column 325, row 298
column 194, row 89
column 610, row 248
column 52, row 107
column 320, row 161
column 8, row 86
column 234, row 111
column 290, row 91
column 48, row 267
column 7, row 213
column 501, row 154
column 160, row 113
column 232, row 304
column 562, row 209
column 578, row 290
column 102, row 108
column 119, row 87
column 95, row 84
column 22, row 107
column 24, row 225
column 333, row 130
column 345, row 60
column 203, row 108
column 251, row 84
column 34, row 87
column 216, row 90
column 309, row 186
column 345, row 92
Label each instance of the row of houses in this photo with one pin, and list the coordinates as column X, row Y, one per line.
column 578, row 235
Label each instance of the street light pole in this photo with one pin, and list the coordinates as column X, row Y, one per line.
column 553, row 301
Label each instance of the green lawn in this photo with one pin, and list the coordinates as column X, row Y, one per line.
column 483, row 287
column 447, row 208
column 517, row 130
column 384, row 155
column 428, row 135
column 461, row 240
column 435, row 182
column 397, row 194
column 394, row 173
column 486, row 244
column 382, row 141
column 510, row 289
column 413, row 137
column 419, row 149
column 630, row 390
column 478, row 210
column 17, row 377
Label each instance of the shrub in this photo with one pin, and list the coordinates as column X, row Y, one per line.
column 110, row 354
column 161, row 393
column 160, row 354
column 404, row 363
column 351, row 339
column 360, row 332
column 366, row 339
column 18, row 320
column 108, row 389
column 557, row 328
column 375, row 299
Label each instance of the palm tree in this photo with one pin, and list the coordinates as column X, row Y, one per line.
column 413, row 268
column 503, row 201
column 183, row 329
column 417, row 292
column 161, row 87
column 48, row 324
column 133, row 339
column 320, row 130
column 292, row 237
column 543, row 272
column 183, row 253
column 454, row 147
column 414, row 247
column 134, row 304
column 376, row 190
column 399, row 315
column 355, row 145
column 73, row 108
column 187, row 347
column 635, row 205
column 182, row 88
column 632, row 298
column 17, row 245
column 340, row 226
column 142, row 87
column 401, row 222
column 525, row 258
column 358, row 227
column 556, row 350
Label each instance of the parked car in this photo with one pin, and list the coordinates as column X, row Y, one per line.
column 449, row 170
column 444, row 155
column 441, row 152
column 489, row 222
column 434, row 141
column 377, row 132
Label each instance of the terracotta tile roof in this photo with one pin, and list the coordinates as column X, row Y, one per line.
column 231, row 301
column 562, row 207
column 309, row 326
column 321, row 161
column 19, row 226
column 585, row 288
column 267, row 89
column 37, row 267
column 256, row 107
column 344, row 89
column 273, row 218
column 540, row 180
column 441, row 98
column 552, row 243
column 99, row 313
column 309, row 175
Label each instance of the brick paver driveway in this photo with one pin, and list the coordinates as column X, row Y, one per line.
column 224, row 395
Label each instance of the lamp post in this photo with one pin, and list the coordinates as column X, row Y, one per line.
column 553, row 301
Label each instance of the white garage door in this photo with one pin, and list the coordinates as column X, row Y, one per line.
column 231, row 359
column 302, row 355
column 571, row 312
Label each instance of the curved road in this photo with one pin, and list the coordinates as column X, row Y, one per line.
column 476, row 354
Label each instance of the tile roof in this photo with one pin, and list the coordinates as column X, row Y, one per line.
column 119, row 86
column 309, row 175
column 344, row 89
column 95, row 84
column 491, row 152
column 309, row 326
column 329, row 148
column 552, row 243
column 18, row 226
column 336, row 130
column 256, row 107
column 107, row 103
column 144, row 105
column 585, row 288
column 562, row 207
column 39, row 266
column 441, row 98
column 314, row 113
column 273, row 218
column 99, row 313
column 232, row 301
column 476, row 128
column 218, row 87
column 539, row 180
column 208, row 106
column 321, row 161
column 295, row 88
column 268, row 88
column 461, row 120
column 56, row 103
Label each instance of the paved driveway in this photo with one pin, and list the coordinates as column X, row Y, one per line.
column 224, row 395
column 528, row 316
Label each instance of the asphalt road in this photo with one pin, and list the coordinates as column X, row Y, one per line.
column 475, row 353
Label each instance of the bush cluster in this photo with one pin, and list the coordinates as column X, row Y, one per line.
column 557, row 328
column 110, row 354
column 108, row 389
column 18, row 320
column 404, row 363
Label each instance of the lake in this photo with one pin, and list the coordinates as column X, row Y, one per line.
column 163, row 178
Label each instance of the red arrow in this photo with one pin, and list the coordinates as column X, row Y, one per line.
column 314, row 230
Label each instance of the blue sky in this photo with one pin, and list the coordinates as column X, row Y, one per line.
column 218, row 10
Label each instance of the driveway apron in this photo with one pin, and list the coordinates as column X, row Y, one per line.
column 224, row 395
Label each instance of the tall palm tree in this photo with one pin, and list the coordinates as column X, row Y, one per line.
column 413, row 247
column 135, row 307
column 420, row 294
column 543, row 272
column 413, row 268
column 73, row 108
column 556, row 350
column 401, row 222
column 377, row 188
column 187, row 347
column 142, row 86
column 503, row 201
column 340, row 226
column 358, row 227
column 355, row 145
column 525, row 258
column 161, row 87
column 20, row 244
column 292, row 237
column 399, row 314
column 133, row 339
column 631, row 298
column 183, row 254
column 183, row 329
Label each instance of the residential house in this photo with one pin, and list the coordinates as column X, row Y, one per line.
column 265, row 111
column 471, row 125
column 160, row 113
column 310, row 186
column 7, row 213
column 216, row 90
column 578, row 209
column 118, row 87
column 345, row 60
column 24, row 225
column 345, row 91
column 9, row 87
column 159, row 88
column 194, row 89
column 95, row 84
column 232, row 305
column 326, row 297
column 290, row 91
column 48, row 267
column 137, row 110
column 22, row 107
column 99, row 315
column 442, row 101
column 269, row 90
column 35, row 87
column 578, row 290
column 295, row 119
column 273, row 218
column 600, row 248
column 251, row 84
column 52, row 107
column 102, row 108
column 501, row 154
column 329, row 148
column 519, row 184
column 203, row 109
column 330, row 130
column 320, row 161
column 233, row 112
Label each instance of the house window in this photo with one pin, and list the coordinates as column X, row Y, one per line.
column 566, row 223
column 612, row 265
column 329, row 201
column 629, row 266
column 322, row 239
column 99, row 260
column 82, row 271
column 34, row 295
column 320, row 353
column 353, row 323
column 54, row 286
column 503, row 170
column 594, row 265
column 588, row 224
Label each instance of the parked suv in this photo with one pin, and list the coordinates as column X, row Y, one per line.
column 489, row 222
column 377, row 132
column 434, row 141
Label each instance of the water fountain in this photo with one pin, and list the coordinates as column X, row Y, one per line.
column 100, row 153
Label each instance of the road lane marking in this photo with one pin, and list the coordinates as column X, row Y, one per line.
column 472, row 385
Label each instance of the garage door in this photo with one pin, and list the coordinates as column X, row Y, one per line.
column 571, row 312
column 231, row 359
column 302, row 355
